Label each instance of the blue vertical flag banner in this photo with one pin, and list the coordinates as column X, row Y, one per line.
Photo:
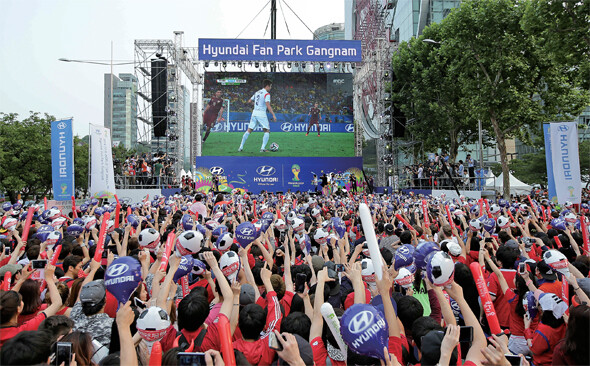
column 62, row 159
column 552, row 196
column 566, row 161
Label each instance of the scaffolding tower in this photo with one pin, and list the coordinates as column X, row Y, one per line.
column 373, row 30
column 182, row 66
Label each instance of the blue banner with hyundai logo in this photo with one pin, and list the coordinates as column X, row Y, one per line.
column 255, row 174
column 279, row 50
column 62, row 160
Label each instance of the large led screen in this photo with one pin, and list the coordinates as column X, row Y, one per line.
column 302, row 104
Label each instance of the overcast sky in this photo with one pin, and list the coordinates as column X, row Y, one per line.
column 34, row 34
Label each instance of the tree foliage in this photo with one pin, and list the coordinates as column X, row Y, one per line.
column 25, row 162
column 426, row 91
column 491, row 67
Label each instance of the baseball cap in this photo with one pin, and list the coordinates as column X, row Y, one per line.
column 431, row 348
column 389, row 229
column 546, row 271
column 305, row 352
column 512, row 244
column 12, row 268
column 93, row 292
column 450, row 247
column 247, row 294
column 317, row 263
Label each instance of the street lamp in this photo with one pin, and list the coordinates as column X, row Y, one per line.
column 431, row 41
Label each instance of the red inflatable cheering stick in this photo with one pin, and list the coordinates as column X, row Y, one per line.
column 425, row 213
column 400, row 218
column 7, row 281
column 486, row 300
column 101, row 237
column 584, row 227
column 74, row 212
column 27, row 226
column 156, row 356
column 52, row 261
column 167, row 250
column 227, row 350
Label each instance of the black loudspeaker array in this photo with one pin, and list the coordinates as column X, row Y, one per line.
column 159, row 97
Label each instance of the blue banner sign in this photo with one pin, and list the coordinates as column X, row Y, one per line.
column 212, row 49
column 255, row 174
column 62, row 159
column 551, row 189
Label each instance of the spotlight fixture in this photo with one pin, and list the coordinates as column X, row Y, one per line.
column 256, row 65
column 296, row 64
column 353, row 65
column 216, row 63
column 264, row 64
column 288, row 64
column 206, row 63
column 224, row 64
column 303, row 65
column 321, row 65
column 240, row 64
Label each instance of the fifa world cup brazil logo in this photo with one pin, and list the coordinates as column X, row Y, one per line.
column 64, row 188
column 571, row 190
column 295, row 169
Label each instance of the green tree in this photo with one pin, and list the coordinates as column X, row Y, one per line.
column 506, row 80
column 425, row 89
column 25, row 161
column 81, row 164
column 561, row 29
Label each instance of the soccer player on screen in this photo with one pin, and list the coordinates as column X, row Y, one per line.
column 213, row 113
column 261, row 100
column 314, row 119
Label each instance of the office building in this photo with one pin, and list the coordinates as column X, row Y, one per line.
column 124, row 113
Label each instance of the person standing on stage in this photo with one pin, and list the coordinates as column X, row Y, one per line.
column 261, row 102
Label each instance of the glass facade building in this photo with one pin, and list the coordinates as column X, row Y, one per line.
column 124, row 115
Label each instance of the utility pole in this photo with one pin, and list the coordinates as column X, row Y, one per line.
column 273, row 27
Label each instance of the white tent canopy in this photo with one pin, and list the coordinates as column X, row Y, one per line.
column 516, row 187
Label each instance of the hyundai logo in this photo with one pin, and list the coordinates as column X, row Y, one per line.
column 265, row 170
column 349, row 127
column 118, row 269
column 563, row 128
column 403, row 250
column 287, row 127
column 61, row 125
column 247, row 232
column 217, row 128
column 360, row 322
column 216, row 170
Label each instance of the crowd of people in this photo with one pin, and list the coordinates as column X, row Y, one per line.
column 144, row 171
column 435, row 173
column 244, row 279
column 291, row 93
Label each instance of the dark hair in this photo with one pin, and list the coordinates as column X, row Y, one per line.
column 507, row 256
column 169, row 358
column 549, row 319
column 251, row 321
column 63, row 290
column 112, row 359
column 577, row 335
column 33, row 252
column 353, row 358
column 521, row 290
column 57, row 325
column 296, row 323
column 26, row 348
column 464, row 278
column 408, row 310
column 405, row 237
column 193, row 309
column 31, row 296
column 421, row 327
column 9, row 303
column 66, row 249
column 71, row 261
column 432, row 358
column 89, row 308
column 74, row 292
column 81, row 346
column 266, row 82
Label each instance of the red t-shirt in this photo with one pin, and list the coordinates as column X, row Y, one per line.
column 553, row 287
column 501, row 304
column 516, row 321
column 545, row 339
column 33, row 324
column 320, row 354
column 22, row 319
